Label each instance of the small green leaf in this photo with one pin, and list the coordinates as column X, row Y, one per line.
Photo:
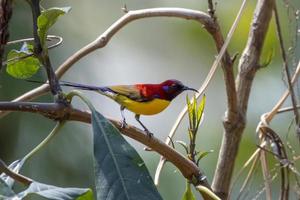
column 56, row 193
column 188, row 194
column 202, row 154
column 47, row 19
column 200, row 110
column 120, row 173
column 86, row 196
column 184, row 145
column 194, row 111
column 268, row 59
column 21, row 65
column 190, row 110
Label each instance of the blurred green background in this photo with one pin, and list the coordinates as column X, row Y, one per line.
column 147, row 50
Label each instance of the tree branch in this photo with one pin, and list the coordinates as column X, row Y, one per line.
column 59, row 111
column 286, row 68
column 42, row 53
column 248, row 65
column 5, row 15
column 22, row 179
column 104, row 38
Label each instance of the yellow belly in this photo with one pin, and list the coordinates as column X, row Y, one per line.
column 143, row 108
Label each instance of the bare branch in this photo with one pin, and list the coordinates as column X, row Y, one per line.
column 286, row 67
column 18, row 177
column 227, row 64
column 60, row 112
column 5, row 15
column 40, row 52
column 248, row 66
column 104, row 38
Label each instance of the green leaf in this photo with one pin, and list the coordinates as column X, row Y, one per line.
column 120, row 172
column 56, row 193
column 202, row 154
column 86, row 196
column 190, row 110
column 47, row 19
column 188, row 194
column 194, row 111
column 5, row 191
column 21, row 65
column 15, row 167
column 268, row 59
column 200, row 110
column 184, row 145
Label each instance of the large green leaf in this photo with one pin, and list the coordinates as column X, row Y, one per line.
column 47, row 19
column 22, row 64
column 120, row 172
column 56, row 193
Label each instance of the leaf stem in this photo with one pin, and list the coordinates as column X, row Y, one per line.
column 55, row 130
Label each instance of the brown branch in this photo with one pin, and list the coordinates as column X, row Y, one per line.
column 211, row 10
column 18, row 177
column 5, row 15
column 59, row 111
column 42, row 52
column 286, row 67
column 104, row 38
column 227, row 64
column 248, row 65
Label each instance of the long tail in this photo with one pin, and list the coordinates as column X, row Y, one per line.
column 79, row 86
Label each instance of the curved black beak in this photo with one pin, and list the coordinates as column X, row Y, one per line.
column 188, row 88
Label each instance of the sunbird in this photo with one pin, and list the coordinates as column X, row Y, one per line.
column 141, row 99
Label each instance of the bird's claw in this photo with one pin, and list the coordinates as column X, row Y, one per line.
column 149, row 134
column 124, row 124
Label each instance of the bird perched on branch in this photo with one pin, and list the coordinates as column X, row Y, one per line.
column 141, row 99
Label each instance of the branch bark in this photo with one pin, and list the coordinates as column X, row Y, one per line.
column 233, row 128
column 42, row 53
column 104, row 38
column 59, row 111
column 5, row 15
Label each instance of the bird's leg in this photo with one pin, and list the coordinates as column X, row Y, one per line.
column 124, row 124
column 137, row 117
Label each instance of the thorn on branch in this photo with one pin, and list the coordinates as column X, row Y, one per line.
column 211, row 10
column 124, row 9
column 234, row 57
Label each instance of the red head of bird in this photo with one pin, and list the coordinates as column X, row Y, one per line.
column 167, row 90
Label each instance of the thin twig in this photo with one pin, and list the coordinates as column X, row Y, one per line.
column 249, row 175
column 104, row 38
column 266, row 175
column 248, row 66
column 229, row 79
column 286, row 68
column 55, row 130
column 58, row 111
column 5, row 15
column 42, row 53
column 211, row 9
column 18, row 177
column 49, row 37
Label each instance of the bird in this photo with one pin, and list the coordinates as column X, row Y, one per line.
column 141, row 99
